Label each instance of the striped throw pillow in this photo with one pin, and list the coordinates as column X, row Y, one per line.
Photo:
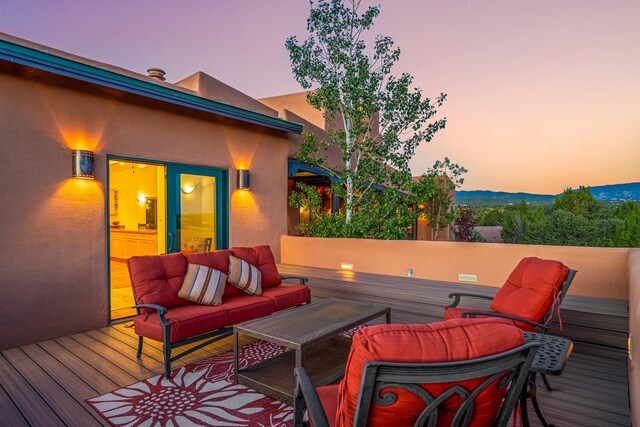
column 203, row 285
column 244, row 276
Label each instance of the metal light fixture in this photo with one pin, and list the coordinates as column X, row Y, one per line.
column 82, row 164
column 243, row 179
column 189, row 188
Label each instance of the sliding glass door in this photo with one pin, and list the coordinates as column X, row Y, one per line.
column 197, row 209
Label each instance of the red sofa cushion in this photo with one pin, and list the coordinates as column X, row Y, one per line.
column 452, row 340
column 286, row 296
column 156, row 279
column 328, row 396
column 261, row 257
column 186, row 322
column 216, row 259
column 530, row 289
column 241, row 308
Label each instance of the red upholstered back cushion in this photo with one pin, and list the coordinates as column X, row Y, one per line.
column 530, row 289
column 156, row 279
column 452, row 340
column 220, row 261
column 261, row 257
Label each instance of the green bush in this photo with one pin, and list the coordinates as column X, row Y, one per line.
column 564, row 228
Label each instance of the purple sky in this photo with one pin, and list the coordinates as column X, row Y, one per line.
column 543, row 94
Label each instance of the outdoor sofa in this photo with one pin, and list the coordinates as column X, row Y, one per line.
column 164, row 316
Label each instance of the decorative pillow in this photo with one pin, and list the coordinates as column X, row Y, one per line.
column 203, row 285
column 244, row 276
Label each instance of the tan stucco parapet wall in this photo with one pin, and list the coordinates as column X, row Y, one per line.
column 602, row 272
column 634, row 331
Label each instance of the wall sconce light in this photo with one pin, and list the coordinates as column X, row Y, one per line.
column 82, row 164
column 345, row 266
column 189, row 188
column 142, row 199
column 243, row 179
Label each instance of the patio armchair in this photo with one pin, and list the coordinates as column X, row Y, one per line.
column 530, row 298
column 454, row 373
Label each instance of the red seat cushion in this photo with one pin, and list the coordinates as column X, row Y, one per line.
column 186, row 322
column 452, row 340
column 286, row 296
column 261, row 257
column 241, row 308
column 329, row 398
column 216, row 259
column 156, row 279
column 530, row 289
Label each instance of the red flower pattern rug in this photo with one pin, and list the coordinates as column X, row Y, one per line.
column 199, row 394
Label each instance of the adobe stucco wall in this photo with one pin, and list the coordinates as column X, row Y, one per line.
column 634, row 330
column 53, row 268
column 602, row 272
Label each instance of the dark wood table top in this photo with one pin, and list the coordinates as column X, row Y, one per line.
column 303, row 326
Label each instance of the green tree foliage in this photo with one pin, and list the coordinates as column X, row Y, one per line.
column 517, row 219
column 355, row 86
column 434, row 190
column 490, row 215
column 579, row 202
column 564, row 228
column 627, row 233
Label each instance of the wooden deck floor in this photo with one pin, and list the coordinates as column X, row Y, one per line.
column 46, row 384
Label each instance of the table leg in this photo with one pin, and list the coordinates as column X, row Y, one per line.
column 235, row 356
column 300, row 358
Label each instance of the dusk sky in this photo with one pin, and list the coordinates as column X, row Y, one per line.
column 542, row 95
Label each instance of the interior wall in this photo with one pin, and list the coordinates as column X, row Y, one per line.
column 602, row 272
column 54, row 278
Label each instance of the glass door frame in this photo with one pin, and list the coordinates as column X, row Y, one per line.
column 221, row 176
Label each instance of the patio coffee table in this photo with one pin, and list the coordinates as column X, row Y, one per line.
column 312, row 332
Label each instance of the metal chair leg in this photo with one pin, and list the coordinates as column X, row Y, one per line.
column 140, row 342
column 546, row 382
column 166, row 349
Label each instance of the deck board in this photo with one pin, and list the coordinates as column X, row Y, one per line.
column 11, row 414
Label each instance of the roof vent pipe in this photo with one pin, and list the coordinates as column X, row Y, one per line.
column 156, row 73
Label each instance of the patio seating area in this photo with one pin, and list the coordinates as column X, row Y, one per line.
column 47, row 383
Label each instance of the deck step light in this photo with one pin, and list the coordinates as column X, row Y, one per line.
column 82, row 164
column 243, row 179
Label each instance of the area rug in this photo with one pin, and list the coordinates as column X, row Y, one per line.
column 199, row 394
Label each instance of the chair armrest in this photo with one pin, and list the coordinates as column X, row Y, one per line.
column 302, row 280
column 158, row 308
column 473, row 314
column 305, row 394
column 457, row 295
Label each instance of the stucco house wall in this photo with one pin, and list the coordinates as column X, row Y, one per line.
column 53, row 273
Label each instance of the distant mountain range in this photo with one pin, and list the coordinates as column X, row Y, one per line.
column 609, row 193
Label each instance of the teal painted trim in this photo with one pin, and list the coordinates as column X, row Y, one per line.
column 102, row 77
column 221, row 203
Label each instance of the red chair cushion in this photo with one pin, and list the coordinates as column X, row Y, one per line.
column 186, row 322
column 328, row 395
column 156, row 279
column 452, row 340
column 241, row 308
column 216, row 259
column 530, row 289
column 261, row 257
column 287, row 296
